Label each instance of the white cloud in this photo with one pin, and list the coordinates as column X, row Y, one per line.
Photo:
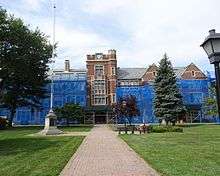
column 32, row 4
column 152, row 27
column 156, row 26
column 103, row 6
column 74, row 44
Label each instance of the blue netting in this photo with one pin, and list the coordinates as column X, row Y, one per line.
column 71, row 90
column 193, row 92
column 144, row 97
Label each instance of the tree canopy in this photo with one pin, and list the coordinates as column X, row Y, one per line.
column 24, row 58
column 168, row 103
column 69, row 112
column 127, row 108
column 210, row 104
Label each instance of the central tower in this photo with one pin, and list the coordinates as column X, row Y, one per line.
column 101, row 78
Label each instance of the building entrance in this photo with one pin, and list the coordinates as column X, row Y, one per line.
column 100, row 118
column 99, row 115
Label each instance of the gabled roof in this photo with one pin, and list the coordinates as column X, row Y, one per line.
column 198, row 73
column 131, row 73
column 179, row 71
column 138, row 73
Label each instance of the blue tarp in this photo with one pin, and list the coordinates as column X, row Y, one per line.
column 65, row 91
column 144, row 97
column 74, row 89
column 193, row 92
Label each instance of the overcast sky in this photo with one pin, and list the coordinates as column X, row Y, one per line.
column 140, row 30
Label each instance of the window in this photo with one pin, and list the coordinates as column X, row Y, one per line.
column 154, row 73
column 113, row 98
column 113, row 70
column 100, row 100
column 99, row 86
column 193, row 73
column 99, row 70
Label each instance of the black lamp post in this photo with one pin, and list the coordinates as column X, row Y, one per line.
column 211, row 45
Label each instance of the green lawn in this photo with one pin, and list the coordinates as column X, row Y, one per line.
column 77, row 128
column 22, row 155
column 196, row 152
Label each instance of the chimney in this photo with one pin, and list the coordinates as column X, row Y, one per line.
column 212, row 32
column 67, row 66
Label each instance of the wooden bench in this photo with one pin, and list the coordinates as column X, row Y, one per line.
column 143, row 128
column 131, row 128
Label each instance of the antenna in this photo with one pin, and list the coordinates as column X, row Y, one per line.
column 53, row 56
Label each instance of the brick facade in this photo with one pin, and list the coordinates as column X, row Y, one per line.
column 102, row 78
column 150, row 73
column 192, row 72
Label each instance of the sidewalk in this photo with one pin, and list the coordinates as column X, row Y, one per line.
column 102, row 153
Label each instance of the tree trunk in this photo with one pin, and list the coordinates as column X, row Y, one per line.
column 11, row 117
column 67, row 121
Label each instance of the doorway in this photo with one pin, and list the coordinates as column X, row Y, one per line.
column 100, row 118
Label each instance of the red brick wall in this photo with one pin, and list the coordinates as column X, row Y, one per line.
column 188, row 73
column 108, row 61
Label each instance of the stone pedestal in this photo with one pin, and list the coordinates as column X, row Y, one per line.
column 163, row 122
column 50, row 127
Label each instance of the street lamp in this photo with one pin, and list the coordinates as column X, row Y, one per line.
column 211, row 45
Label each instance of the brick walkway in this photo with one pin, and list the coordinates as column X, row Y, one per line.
column 102, row 153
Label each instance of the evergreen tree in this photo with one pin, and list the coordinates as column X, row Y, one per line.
column 168, row 103
column 24, row 58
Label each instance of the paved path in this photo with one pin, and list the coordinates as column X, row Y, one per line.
column 102, row 153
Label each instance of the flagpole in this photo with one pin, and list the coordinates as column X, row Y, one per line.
column 53, row 57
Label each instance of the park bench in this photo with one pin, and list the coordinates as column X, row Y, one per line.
column 143, row 128
column 131, row 128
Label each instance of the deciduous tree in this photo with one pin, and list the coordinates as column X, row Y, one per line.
column 24, row 58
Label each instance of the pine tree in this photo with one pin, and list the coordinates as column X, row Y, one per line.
column 168, row 103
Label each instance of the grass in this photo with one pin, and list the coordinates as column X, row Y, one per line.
column 76, row 128
column 22, row 155
column 195, row 152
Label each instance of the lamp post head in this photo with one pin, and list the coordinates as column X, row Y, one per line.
column 211, row 45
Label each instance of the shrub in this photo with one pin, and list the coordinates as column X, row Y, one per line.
column 3, row 123
column 163, row 129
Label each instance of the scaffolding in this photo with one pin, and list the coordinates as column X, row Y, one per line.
column 68, row 88
column 144, row 97
column 193, row 92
